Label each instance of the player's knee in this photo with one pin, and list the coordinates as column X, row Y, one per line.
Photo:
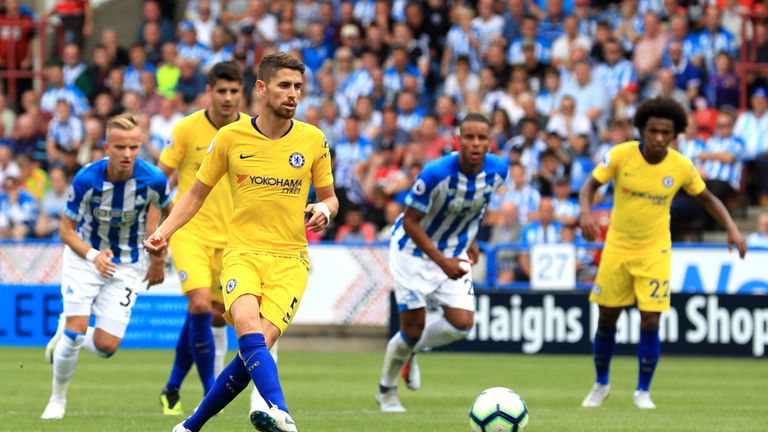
column 649, row 320
column 412, row 331
column 199, row 302
column 106, row 349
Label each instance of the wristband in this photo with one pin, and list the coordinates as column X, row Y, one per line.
column 92, row 254
column 322, row 208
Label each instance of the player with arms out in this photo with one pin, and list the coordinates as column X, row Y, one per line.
column 431, row 248
column 197, row 247
column 636, row 264
column 105, row 220
column 270, row 162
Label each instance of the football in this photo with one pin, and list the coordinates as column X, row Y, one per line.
column 498, row 409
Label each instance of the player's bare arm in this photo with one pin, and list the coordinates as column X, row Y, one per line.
column 589, row 227
column 324, row 210
column 156, row 271
column 182, row 212
column 451, row 266
column 101, row 259
column 718, row 211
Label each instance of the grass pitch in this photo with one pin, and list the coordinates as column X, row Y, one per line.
column 334, row 393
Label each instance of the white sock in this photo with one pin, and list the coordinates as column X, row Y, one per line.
column 438, row 333
column 90, row 345
column 394, row 358
column 220, row 342
column 64, row 363
column 273, row 352
column 258, row 402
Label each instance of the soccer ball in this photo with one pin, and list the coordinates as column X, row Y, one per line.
column 498, row 409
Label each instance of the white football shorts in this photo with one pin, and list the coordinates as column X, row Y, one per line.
column 85, row 292
column 416, row 278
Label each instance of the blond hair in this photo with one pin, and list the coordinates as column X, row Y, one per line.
column 124, row 121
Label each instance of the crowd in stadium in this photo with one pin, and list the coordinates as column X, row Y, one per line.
column 387, row 82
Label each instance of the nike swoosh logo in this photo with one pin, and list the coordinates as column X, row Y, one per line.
column 289, row 422
column 242, row 156
column 200, row 148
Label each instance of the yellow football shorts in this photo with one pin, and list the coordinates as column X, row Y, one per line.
column 198, row 265
column 623, row 279
column 277, row 281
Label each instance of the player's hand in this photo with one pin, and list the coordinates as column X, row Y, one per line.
column 736, row 239
column 156, row 243
column 453, row 267
column 104, row 264
column 155, row 272
column 589, row 227
column 473, row 252
column 317, row 221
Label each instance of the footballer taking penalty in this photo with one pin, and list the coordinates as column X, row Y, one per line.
column 103, row 224
column 431, row 248
column 270, row 161
column 197, row 247
column 635, row 265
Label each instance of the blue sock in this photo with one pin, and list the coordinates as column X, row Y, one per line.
column 203, row 349
column 182, row 363
column 262, row 368
column 602, row 351
column 232, row 380
column 648, row 352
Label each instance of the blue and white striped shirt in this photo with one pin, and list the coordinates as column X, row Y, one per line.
column 526, row 199
column 691, row 148
column 534, row 233
column 757, row 240
column 113, row 214
column 566, row 208
column 453, row 202
column 753, row 131
column 616, row 77
column 717, row 170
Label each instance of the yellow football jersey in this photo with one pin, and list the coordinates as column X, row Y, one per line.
column 191, row 138
column 643, row 194
column 270, row 181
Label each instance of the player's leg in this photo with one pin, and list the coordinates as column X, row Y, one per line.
column 258, row 402
column 201, row 341
column 65, row 356
column 652, row 275
column 219, row 328
column 398, row 351
column 612, row 292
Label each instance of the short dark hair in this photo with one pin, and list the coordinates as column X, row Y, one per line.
column 474, row 117
column 271, row 63
column 665, row 108
column 227, row 71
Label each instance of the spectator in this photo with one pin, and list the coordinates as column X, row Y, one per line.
column 567, row 123
column 759, row 44
column 168, row 72
column 189, row 47
column 317, row 49
column 679, row 34
column 204, row 20
column 547, row 100
column 496, row 61
column 759, row 238
column 528, row 144
column 161, row 125
column 529, row 37
column 355, row 229
column 7, row 118
column 752, row 128
column 665, row 87
column 116, row 53
column 649, row 49
column 191, row 84
column 591, row 94
column 712, row 40
column 533, row 67
column 461, row 81
column 287, row 39
column 520, row 192
column 265, row 24
column 409, row 115
column 687, row 76
column 65, row 134
column 18, row 210
column 563, row 45
column 98, row 71
column 18, row 30
column 616, row 72
column 433, row 144
column 545, row 230
column 104, row 107
column 401, row 66
column 28, row 140
column 370, row 119
column 76, row 20
column 581, row 164
column 150, row 98
column 549, row 169
column 32, row 178
column 489, row 25
column 723, row 83
column 93, row 141
column 501, row 129
column 630, row 26
column 151, row 12
column 391, row 212
column 75, row 71
column 331, row 122
column 514, row 15
column 506, row 228
column 153, row 43
column 391, row 136
column 721, row 159
column 352, row 150
column 8, row 167
column 58, row 89
column 566, row 208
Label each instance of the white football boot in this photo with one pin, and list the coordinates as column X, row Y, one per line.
column 180, row 428
column 643, row 400
column 597, row 396
column 51, row 345
column 272, row 420
column 54, row 410
column 411, row 373
column 388, row 401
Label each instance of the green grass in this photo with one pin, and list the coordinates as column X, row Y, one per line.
column 334, row 393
